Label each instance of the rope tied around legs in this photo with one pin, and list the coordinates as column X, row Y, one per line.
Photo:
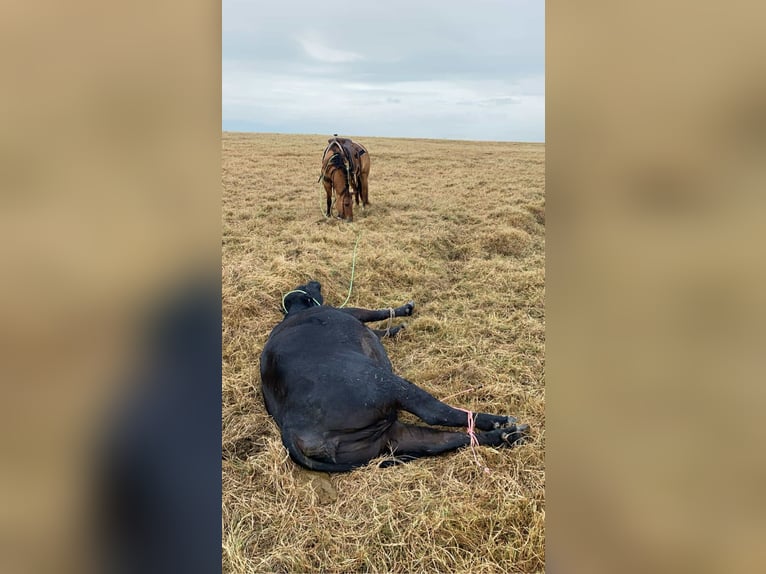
column 391, row 315
column 474, row 441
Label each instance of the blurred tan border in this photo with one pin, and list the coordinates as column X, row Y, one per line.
column 656, row 133
column 110, row 196
column 656, row 173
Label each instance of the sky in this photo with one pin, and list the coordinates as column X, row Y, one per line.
column 465, row 70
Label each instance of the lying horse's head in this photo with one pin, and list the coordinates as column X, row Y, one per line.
column 303, row 297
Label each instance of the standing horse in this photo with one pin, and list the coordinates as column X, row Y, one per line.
column 345, row 165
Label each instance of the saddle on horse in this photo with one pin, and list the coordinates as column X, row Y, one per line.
column 348, row 149
column 351, row 152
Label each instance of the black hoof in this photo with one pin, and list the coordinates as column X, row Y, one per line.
column 509, row 421
column 517, row 435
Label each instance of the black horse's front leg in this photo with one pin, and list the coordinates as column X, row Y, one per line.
column 391, row 332
column 369, row 315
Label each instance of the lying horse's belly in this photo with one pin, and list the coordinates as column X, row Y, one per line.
column 349, row 443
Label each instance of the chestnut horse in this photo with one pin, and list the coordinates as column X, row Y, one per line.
column 345, row 165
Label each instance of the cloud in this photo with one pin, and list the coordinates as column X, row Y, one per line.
column 477, row 71
column 321, row 53
column 501, row 101
column 431, row 109
column 494, row 101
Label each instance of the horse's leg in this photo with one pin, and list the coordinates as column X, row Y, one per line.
column 392, row 332
column 369, row 315
column 328, row 190
column 356, row 189
column 365, row 191
column 412, row 441
column 431, row 410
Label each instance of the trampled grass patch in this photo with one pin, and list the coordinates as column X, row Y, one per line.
column 459, row 227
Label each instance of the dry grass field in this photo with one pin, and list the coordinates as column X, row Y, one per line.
column 459, row 227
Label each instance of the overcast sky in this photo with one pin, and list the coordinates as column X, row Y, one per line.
column 419, row 68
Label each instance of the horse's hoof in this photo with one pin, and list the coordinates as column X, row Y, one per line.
column 518, row 434
column 509, row 420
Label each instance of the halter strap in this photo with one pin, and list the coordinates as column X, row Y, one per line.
column 318, row 304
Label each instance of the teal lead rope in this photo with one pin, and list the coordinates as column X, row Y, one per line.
column 350, row 286
column 353, row 269
column 297, row 291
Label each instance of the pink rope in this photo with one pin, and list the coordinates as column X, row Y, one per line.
column 474, row 441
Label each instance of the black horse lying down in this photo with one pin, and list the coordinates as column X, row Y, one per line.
column 328, row 383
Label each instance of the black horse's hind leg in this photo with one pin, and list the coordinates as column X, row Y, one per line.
column 412, row 441
column 415, row 400
column 369, row 315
